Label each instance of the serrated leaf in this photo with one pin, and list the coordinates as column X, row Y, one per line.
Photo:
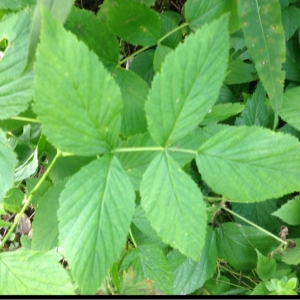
column 256, row 111
column 45, row 222
column 161, row 52
column 290, row 20
column 174, row 206
column 88, row 111
column 239, row 72
column 222, row 112
column 236, row 242
column 188, row 84
column 290, row 107
column 8, row 162
column 133, row 22
column 265, row 41
column 292, row 256
column 149, row 262
column 290, row 212
column 133, row 114
column 96, row 35
column 190, row 275
column 15, row 88
column 33, row 273
column 262, row 164
column 96, row 209
column 198, row 12
column 16, row 4
column 266, row 266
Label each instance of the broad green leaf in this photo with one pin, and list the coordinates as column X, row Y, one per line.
column 190, row 275
column 236, row 244
column 260, row 289
column 133, row 22
column 15, row 88
column 266, row 266
column 265, row 40
column 142, row 65
column 188, row 84
column 222, row 112
column 13, row 200
column 96, row 208
column 174, row 206
column 45, row 224
column 199, row 12
column 259, row 213
column 290, row 212
column 250, row 164
column 225, row 95
column 239, row 72
column 87, row 112
column 149, row 262
column 57, row 10
column 292, row 65
column 257, row 112
column 16, row 4
column 234, row 21
column 217, row 286
column 95, row 34
column 292, row 256
column 147, row 2
column 134, row 93
column 290, row 107
column 161, row 52
column 33, row 273
column 31, row 183
column 8, row 162
column 290, row 20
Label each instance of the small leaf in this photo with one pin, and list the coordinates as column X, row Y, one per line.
column 266, row 266
column 13, row 200
column 188, row 84
column 16, row 4
column 133, row 22
column 96, row 208
column 292, row 256
column 161, row 52
column 87, row 111
column 262, row 164
column 174, row 206
column 290, row 20
column 290, row 212
column 292, row 64
column 33, row 273
column 239, row 72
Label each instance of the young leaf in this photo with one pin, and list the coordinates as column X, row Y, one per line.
column 174, row 206
column 188, row 84
column 190, row 275
column 15, row 88
column 290, row 107
column 33, row 273
column 290, row 212
column 96, row 35
column 133, row 115
column 133, row 22
column 149, row 262
column 250, row 164
column 80, row 112
column 265, row 40
column 8, row 162
column 266, row 266
column 96, row 209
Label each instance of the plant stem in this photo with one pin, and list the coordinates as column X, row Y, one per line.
column 214, row 199
column 172, row 31
column 132, row 238
column 255, row 225
column 29, row 198
column 133, row 54
column 25, row 119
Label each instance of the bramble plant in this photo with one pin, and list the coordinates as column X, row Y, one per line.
column 151, row 148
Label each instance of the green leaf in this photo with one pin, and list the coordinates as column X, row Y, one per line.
column 31, row 183
column 188, row 84
column 33, row 273
column 289, row 212
column 292, row 256
column 96, row 209
column 222, row 112
column 266, row 266
column 8, row 162
column 265, row 40
column 45, row 222
column 290, row 107
column 15, row 88
column 190, row 275
column 149, row 262
column 257, row 112
column 262, row 164
column 292, row 65
column 133, row 22
column 239, row 72
column 217, row 286
column 174, row 206
column 133, row 115
column 92, row 125
column 16, row 4
column 96, row 35
column 260, row 289
column 198, row 12
column 147, row 2
column 13, row 200
column 236, row 242
column 290, row 20
column 161, row 52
